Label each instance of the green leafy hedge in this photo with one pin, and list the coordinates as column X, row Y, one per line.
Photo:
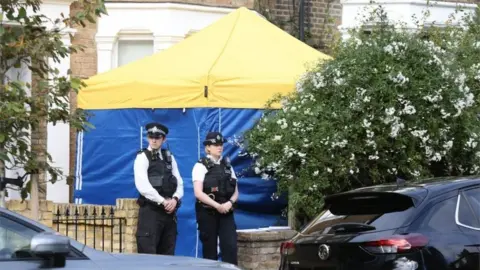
column 392, row 103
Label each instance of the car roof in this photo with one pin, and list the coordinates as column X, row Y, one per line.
column 434, row 186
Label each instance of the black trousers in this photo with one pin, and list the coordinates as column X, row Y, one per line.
column 213, row 225
column 156, row 230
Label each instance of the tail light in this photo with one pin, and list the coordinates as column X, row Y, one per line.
column 396, row 244
column 287, row 248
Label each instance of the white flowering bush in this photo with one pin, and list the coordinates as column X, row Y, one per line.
column 392, row 103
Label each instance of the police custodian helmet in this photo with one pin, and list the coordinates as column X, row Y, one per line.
column 214, row 138
column 156, row 130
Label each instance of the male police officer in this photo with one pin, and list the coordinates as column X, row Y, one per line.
column 161, row 187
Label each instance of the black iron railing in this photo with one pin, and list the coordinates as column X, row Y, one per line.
column 87, row 224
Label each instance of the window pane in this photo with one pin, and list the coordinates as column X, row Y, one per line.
column 131, row 50
column 440, row 217
column 469, row 211
column 13, row 237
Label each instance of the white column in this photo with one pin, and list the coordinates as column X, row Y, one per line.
column 105, row 45
column 58, row 141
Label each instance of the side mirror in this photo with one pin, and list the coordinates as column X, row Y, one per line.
column 53, row 248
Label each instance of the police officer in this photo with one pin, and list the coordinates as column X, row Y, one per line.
column 215, row 187
column 160, row 185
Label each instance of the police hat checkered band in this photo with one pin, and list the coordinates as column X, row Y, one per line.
column 155, row 130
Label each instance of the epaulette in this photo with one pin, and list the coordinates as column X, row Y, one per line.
column 141, row 151
column 206, row 162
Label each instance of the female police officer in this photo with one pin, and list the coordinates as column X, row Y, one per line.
column 215, row 187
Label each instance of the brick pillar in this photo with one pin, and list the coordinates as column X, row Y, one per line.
column 128, row 209
column 83, row 64
column 261, row 250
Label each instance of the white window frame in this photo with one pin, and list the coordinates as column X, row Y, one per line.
column 457, row 210
column 131, row 34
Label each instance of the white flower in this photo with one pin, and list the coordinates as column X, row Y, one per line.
column 277, row 137
column 352, row 157
column 471, row 143
column 257, row 170
column 399, row 79
column 329, row 170
column 370, row 134
column 283, row 123
column 318, row 80
column 390, row 111
column 392, row 171
column 444, row 113
column 366, row 123
column 396, row 127
column 340, row 144
column 448, row 145
column 315, row 173
column 409, row 109
column 371, row 143
column 436, row 157
column 418, row 133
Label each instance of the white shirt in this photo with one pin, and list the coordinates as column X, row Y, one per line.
column 199, row 170
column 140, row 170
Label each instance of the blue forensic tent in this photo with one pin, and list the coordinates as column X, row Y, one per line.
column 217, row 79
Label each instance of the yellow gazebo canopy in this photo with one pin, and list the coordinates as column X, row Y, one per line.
column 240, row 61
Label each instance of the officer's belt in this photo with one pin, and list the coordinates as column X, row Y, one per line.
column 142, row 201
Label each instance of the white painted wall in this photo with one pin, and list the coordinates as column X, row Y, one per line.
column 164, row 23
column 401, row 10
column 59, row 135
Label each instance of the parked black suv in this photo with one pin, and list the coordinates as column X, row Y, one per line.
column 433, row 224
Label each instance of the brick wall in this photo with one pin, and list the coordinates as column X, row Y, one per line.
column 23, row 208
column 261, row 250
column 92, row 225
column 321, row 18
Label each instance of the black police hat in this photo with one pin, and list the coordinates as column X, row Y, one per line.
column 156, row 130
column 214, row 138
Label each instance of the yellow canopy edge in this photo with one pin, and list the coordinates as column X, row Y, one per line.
column 240, row 61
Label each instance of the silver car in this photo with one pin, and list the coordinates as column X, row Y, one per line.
column 27, row 244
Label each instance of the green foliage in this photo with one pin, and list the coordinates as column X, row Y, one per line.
column 392, row 103
column 30, row 40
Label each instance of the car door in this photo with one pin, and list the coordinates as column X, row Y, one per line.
column 15, row 237
column 467, row 218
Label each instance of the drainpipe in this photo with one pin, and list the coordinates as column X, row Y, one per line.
column 301, row 20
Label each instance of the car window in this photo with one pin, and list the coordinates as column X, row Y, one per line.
column 15, row 241
column 14, row 238
column 384, row 221
column 469, row 208
column 440, row 217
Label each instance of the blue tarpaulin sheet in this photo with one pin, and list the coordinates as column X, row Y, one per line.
column 105, row 156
